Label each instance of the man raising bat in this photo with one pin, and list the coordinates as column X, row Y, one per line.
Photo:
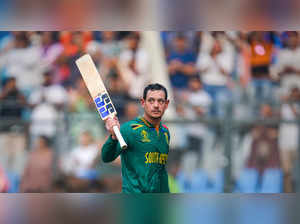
column 144, row 160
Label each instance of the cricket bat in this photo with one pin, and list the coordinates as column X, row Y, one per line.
column 98, row 92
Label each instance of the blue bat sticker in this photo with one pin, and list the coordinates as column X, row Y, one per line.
column 104, row 105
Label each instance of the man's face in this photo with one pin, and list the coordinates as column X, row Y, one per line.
column 108, row 35
column 180, row 44
column 47, row 38
column 292, row 41
column 132, row 43
column 194, row 85
column 85, row 139
column 155, row 104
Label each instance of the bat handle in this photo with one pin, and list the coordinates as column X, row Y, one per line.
column 120, row 137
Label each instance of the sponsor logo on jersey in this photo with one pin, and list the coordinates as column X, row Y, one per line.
column 156, row 157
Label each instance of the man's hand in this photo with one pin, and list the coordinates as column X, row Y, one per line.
column 110, row 123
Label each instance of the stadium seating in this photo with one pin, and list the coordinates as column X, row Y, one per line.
column 14, row 183
column 249, row 181
column 272, row 181
column 199, row 182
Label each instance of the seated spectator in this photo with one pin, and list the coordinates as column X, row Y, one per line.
column 264, row 152
column 287, row 67
column 12, row 102
column 75, row 44
column 198, row 104
column 260, row 61
column 181, row 64
column 109, row 50
column 12, row 139
column 215, row 69
column 49, row 52
column 23, row 62
column 84, row 113
column 118, row 94
column 82, row 159
column 289, row 136
column 44, row 120
column 80, row 99
column 134, row 66
column 131, row 110
column 110, row 47
column 38, row 175
column 52, row 93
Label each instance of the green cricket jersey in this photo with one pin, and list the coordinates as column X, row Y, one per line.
column 144, row 161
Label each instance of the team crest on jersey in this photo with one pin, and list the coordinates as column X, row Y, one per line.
column 145, row 136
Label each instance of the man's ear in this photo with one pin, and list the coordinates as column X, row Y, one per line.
column 167, row 103
column 142, row 102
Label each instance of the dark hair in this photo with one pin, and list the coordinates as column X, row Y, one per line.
column 47, row 140
column 153, row 87
column 180, row 36
column 195, row 77
column 134, row 35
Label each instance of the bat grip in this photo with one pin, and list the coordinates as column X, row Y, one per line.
column 120, row 137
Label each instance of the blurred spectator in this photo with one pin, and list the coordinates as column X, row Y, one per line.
column 6, row 41
column 82, row 159
column 181, row 63
column 198, row 104
column 48, row 103
column 173, row 169
column 34, row 38
column 261, row 58
column 74, row 44
column 287, row 67
column 243, row 50
column 50, row 92
column 49, row 51
column 23, row 62
column 289, row 135
column 197, row 42
column 131, row 110
column 12, row 101
column 12, row 139
column 118, row 94
column 264, row 152
column 215, row 69
column 39, row 171
column 134, row 66
column 80, row 100
column 4, row 182
column 169, row 36
column 84, row 113
column 110, row 47
column 109, row 52
column 44, row 120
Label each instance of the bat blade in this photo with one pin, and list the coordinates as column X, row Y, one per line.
column 98, row 92
column 96, row 86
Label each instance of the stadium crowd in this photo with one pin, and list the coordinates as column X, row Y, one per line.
column 50, row 133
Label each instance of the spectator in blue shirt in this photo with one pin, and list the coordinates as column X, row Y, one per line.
column 181, row 63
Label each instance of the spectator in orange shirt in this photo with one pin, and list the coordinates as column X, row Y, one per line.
column 260, row 61
column 74, row 46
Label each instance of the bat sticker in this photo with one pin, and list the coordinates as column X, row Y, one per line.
column 104, row 105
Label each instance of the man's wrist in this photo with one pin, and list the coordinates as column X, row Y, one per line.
column 113, row 138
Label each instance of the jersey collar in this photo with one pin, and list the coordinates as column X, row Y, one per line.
column 147, row 123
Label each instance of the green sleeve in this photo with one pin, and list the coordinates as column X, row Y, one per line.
column 111, row 148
